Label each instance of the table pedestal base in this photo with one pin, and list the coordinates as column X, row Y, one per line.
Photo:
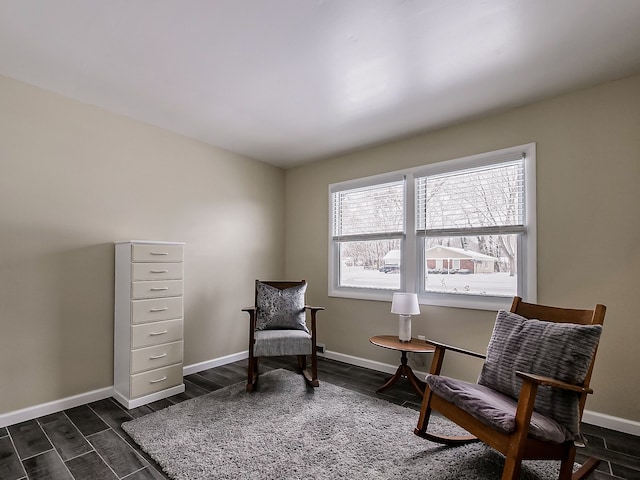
column 405, row 371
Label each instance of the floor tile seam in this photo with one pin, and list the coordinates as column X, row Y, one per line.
column 34, row 455
column 104, row 420
column 610, row 470
column 55, row 450
column 144, row 461
column 133, row 473
column 625, row 456
column 197, row 386
column 119, row 436
column 96, row 433
column 17, row 454
column 629, row 467
column 84, row 437
column 107, row 427
column 99, row 456
column 41, row 429
column 410, row 406
column 206, row 380
column 622, row 459
column 93, row 450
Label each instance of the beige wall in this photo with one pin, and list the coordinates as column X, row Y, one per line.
column 588, row 177
column 74, row 179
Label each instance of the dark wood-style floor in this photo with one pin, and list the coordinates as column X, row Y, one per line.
column 87, row 443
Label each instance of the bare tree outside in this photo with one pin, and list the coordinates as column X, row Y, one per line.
column 464, row 213
column 467, row 221
column 365, row 214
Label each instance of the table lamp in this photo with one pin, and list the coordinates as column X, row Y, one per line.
column 405, row 305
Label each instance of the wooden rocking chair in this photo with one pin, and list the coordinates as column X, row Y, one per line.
column 509, row 423
column 277, row 327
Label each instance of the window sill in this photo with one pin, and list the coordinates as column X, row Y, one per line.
column 474, row 302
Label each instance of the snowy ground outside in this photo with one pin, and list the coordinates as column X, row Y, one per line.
column 500, row 284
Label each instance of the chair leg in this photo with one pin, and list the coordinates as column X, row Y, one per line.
column 425, row 414
column 425, row 410
column 314, row 370
column 302, row 363
column 566, row 466
column 311, row 377
column 252, row 373
column 517, row 439
column 512, row 467
column 585, row 470
column 423, row 423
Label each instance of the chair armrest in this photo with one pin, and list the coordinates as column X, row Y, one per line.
column 441, row 349
column 552, row 382
column 249, row 309
column 527, row 397
column 308, row 307
column 455, row 349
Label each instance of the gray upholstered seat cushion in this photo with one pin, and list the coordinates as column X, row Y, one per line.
column 494, row 408
column 274, row 343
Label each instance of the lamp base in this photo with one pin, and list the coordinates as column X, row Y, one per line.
column 404, row 331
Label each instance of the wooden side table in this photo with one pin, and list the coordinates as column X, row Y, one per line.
column 404, row 370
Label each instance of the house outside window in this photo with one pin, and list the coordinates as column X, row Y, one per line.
column 368, row 231
column 459, row 233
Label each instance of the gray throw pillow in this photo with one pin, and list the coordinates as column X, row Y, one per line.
column 280, row 309
column 559, row 350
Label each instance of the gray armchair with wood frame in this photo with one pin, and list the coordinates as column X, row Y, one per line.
column 530, row 396
column 278, row 327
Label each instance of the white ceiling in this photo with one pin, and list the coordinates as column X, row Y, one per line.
column 291, row 81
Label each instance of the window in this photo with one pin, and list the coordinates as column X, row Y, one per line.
column 367, row 233
column 459, row 233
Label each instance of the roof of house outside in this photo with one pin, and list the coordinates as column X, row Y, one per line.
column 456, row 253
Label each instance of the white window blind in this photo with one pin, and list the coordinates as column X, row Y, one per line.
column 460, row 233
column 483, row 200
column 375, row 211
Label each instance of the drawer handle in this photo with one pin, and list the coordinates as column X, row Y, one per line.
column 153, row 310
column 159, row 333
column 158, row 289
column 159, row 271
column 159, row 253
column 159, row 380
column 155, row 357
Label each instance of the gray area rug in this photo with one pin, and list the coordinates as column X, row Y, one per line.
column 285, row 430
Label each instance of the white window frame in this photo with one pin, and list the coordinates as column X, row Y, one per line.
column 412, row 248
column 335, row 290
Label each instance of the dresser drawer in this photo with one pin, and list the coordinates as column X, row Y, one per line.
column 148, row 334
column 155, row 380
column 156, row 271
column 149, row 358
column 162, row 288
column 156, row 253
column 156, row 309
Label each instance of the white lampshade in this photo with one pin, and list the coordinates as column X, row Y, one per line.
column 405, row 304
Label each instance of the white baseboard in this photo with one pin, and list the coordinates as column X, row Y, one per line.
column 216, row 362
column 36, row 411
column 593, row 418
column 366, row 363
column 29, row 413
column 152, row 397
column 613, row 423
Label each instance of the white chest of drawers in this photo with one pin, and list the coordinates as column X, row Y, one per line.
column 148, row 324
